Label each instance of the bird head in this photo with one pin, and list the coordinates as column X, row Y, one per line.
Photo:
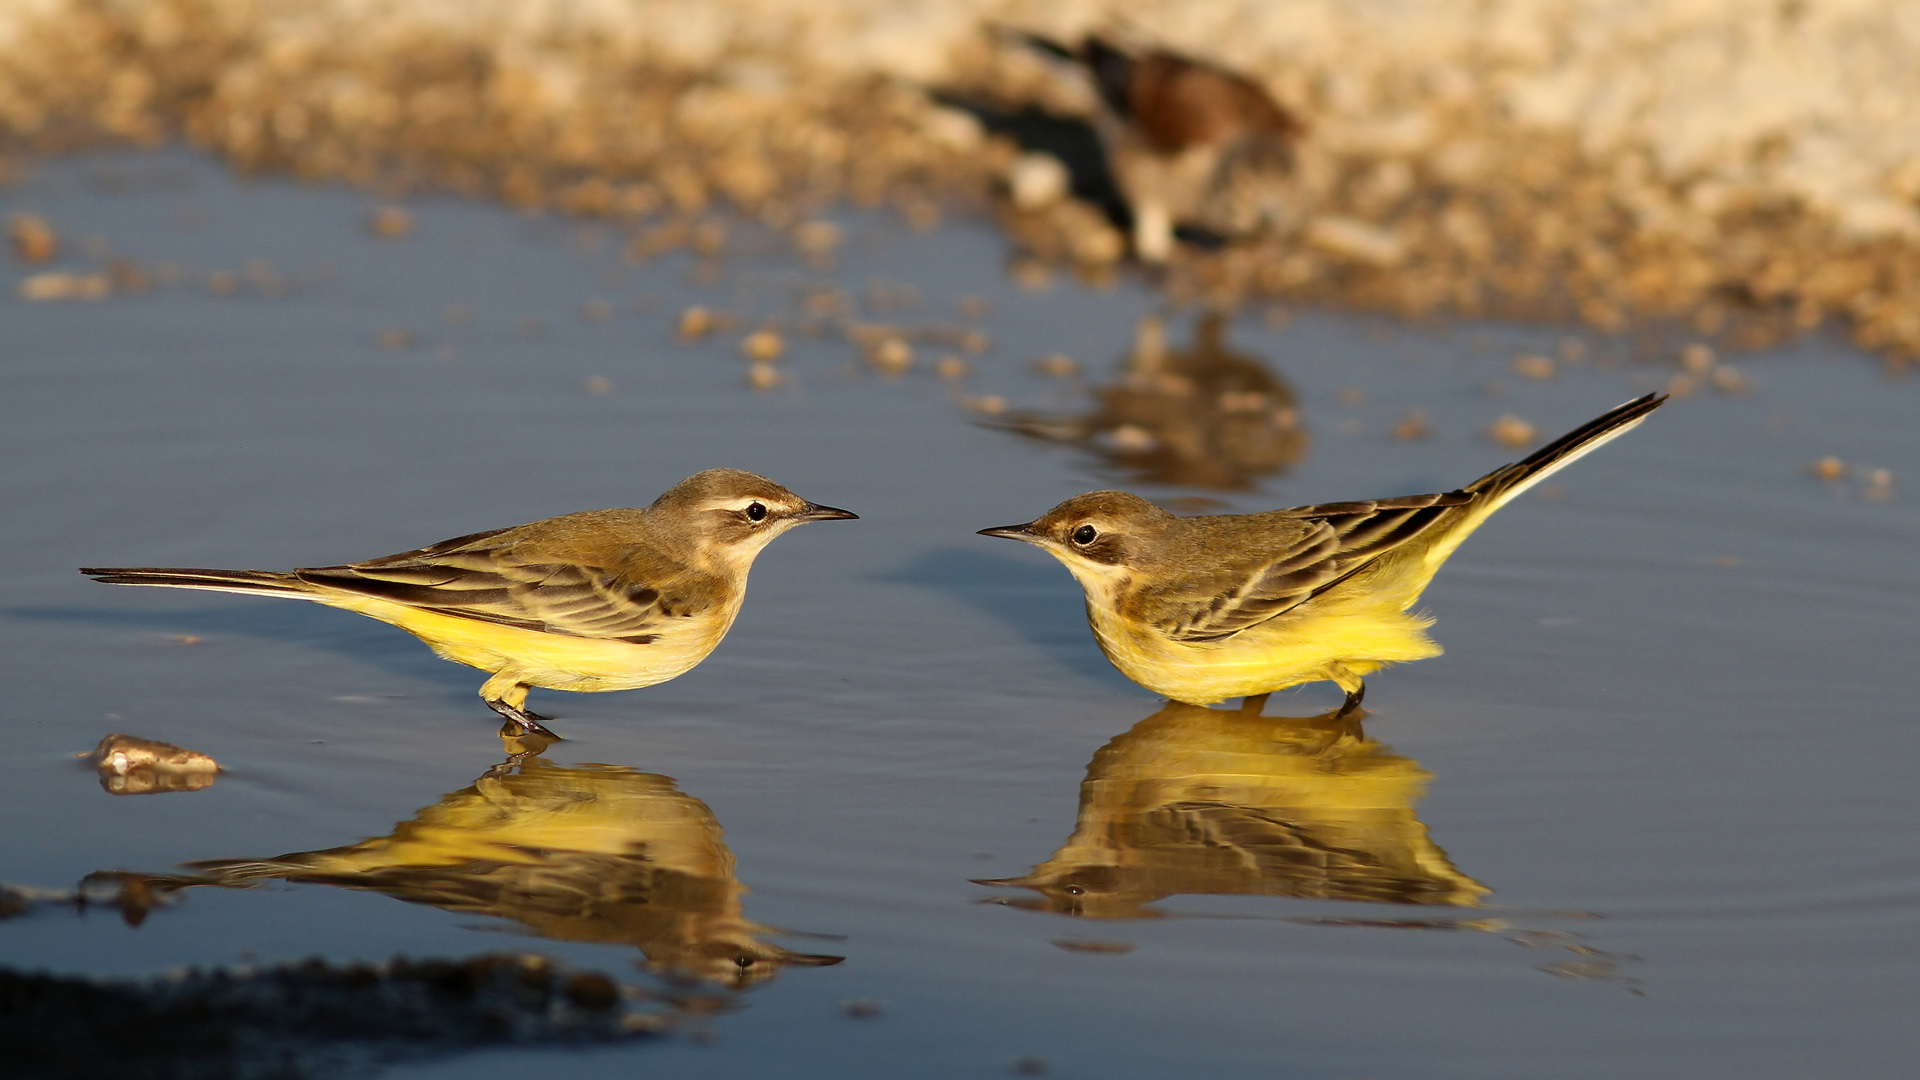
column 1100, row 536
column 729, row 515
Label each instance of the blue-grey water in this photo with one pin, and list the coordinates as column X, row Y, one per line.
column 1667, row 758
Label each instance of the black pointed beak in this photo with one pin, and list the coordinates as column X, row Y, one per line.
column 1013, row 532
column 816, row 512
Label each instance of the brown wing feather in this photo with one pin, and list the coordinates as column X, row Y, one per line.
column 515, row 588
column 1342, row 538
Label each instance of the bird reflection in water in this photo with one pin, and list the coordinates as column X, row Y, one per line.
column 590, row 853
column 1203, row 801
column 1203, row 416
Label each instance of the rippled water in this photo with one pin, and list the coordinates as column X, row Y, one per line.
column 1647, row 817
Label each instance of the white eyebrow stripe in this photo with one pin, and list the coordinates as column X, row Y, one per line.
column 739, row 504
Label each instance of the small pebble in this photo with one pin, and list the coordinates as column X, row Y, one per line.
column 950, row 367
column 59, row 286
column 985, row 404
column 1829, row 468
column 1511, row 431
column 1036, row 181
column 133, row 766
column 923, row 215
column 1728, row 380
column 817, row 238
column 596, row 311
column 1031, row 274
column 1533, row 366
column 1057, row 366
column 128, row 277
column 1414, row 425
column 598, row 385
column 1129, row 439
column 390, row 222
column 397, row 338
column 891, row 355
column 763, row 346
column 710, row 238
column 695, row 323
column 861, row 1008
column 764, row 376
column 1697, row 358
column 1029, row 1066
column 34, row 241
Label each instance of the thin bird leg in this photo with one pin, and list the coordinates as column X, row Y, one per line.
column 1253, row 703
column 1354, row 698
column 507, row 695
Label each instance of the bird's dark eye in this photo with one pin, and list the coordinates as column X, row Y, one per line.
column 746, row 961
column 1084, row 535
column 756, row 511
column 1074, row 890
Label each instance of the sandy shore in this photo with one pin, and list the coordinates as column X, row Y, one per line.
column 1744, row 170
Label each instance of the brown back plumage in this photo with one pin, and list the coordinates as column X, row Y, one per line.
column 1178, row 102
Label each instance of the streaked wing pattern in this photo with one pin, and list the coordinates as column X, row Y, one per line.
column 1343, row 539
column 491, row 585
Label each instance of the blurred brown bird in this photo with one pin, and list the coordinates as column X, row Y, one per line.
column 1171, row 124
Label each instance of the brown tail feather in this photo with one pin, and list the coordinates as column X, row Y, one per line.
column 247, row 581
column 1502, row 485
column 1563, row 450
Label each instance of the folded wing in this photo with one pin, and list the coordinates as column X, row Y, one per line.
column 470, row 579
column 1339, row 540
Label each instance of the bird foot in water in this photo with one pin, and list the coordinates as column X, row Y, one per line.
column 521, row 721
column 1354, row 698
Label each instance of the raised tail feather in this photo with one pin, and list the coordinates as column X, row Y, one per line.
column 1502, row 485
column 259, row 582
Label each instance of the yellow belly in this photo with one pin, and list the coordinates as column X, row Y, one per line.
column 554, row 661
column 1341, row 642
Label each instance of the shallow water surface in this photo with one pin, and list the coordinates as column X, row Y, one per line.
column 1648, row 816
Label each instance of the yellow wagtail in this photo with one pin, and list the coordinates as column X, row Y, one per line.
column 1202, row 609
column 600, row 600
